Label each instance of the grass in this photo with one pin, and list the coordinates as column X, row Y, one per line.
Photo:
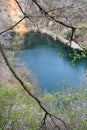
column 20, row 111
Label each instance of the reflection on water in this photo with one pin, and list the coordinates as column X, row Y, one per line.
column 49, row 60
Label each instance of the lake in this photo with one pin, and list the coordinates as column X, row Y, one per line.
column 55, row 66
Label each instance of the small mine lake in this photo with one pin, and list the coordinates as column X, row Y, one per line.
column 55, row 66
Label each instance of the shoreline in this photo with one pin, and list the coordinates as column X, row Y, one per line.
column 74, row 45
column 66, row 42
column 55, row 36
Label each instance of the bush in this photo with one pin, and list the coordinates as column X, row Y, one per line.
column 19, row 111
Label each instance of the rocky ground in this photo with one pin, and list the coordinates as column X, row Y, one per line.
column 72, row 12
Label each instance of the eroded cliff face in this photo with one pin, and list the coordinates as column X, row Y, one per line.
column 71, row 12
column 11, row 14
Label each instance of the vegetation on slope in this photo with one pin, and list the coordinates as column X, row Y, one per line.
column 19, row 111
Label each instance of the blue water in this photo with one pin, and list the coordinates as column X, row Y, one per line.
column 53, row 70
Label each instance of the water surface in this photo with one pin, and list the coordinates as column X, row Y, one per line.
column 49, row 60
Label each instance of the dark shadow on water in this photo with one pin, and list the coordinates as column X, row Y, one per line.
column 57, row 66
column 34, row 40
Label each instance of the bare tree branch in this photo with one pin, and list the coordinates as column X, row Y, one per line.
column 20, row 7
column 10, row 28
column 46, row 14
column 51, row 17
column 26, row 89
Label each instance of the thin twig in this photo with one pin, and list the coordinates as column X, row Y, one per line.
column 17, row 77
column 51, row 17
column 26, row 89
column 55, row 123
column 10, row 28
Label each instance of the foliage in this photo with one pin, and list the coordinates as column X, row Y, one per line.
column 81, row 30
column 82, row 26
column 14, row 104
column 18, row 111
column 71, row 106
column 72, row 55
